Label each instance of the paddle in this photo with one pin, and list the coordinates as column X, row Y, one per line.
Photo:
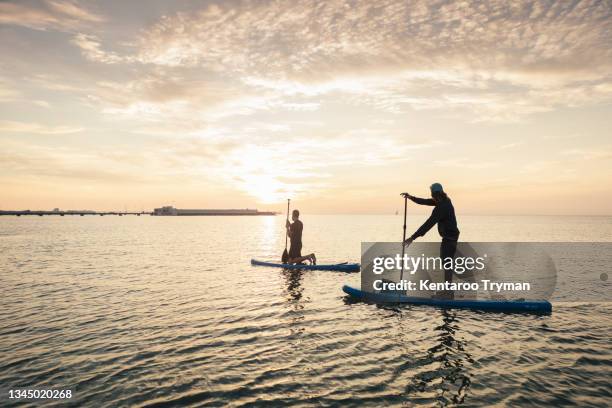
column 403, row 239
column 285, row 256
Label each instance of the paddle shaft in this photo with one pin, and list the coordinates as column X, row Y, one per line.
column 403, row 240
column 286, row 230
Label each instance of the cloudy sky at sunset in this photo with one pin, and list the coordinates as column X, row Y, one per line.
column 340, row 105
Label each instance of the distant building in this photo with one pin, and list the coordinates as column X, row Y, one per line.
column 171, row 211
column 80, row 212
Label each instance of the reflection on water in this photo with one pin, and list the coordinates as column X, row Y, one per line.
column 452, row 355
column 440, row 371
column 293, row 296
column 169, row 312
column 293, row 280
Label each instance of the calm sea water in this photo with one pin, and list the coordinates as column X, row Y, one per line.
column 168, row 311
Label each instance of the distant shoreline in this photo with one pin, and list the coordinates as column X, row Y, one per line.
column 95, row 212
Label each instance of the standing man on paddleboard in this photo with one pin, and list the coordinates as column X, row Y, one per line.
column 295, row 235
column 443, row 214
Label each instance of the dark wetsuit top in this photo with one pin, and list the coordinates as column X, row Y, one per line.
column 295, row 235
column 443, row 214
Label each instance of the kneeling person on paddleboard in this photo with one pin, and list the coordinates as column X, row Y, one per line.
column 294, row 230
column 444, row 215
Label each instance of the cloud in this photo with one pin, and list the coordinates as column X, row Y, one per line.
column 59, row 83
column 540, row 166
column 10, row 126
column 37, row 162
column 511, row 145
column 74, row 11
column 7, row 93
column 589, row 154
column 42, row 104
column 163, row 163
column 43, row 15
column 162, row 96
column 497, row 61
column 303, row 40
column 91, row 48
column 463, row 163
column 482, row 96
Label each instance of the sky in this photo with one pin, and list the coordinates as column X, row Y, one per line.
column 338, row 105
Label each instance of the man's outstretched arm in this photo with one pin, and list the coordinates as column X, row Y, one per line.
column 427, row 225
column 421, row 201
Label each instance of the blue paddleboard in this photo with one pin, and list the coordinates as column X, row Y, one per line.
column 342, row 267
column 530, row 306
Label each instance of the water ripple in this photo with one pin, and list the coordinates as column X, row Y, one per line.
column 138, row 316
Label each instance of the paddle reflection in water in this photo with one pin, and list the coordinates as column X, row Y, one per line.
column 293, row 293
column 446, row 365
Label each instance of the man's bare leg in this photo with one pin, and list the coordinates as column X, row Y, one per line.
column 311, row 258
column 299, row 259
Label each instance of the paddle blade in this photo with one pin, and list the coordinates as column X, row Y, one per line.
column 285, row 257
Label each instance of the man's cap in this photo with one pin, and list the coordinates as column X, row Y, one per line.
column 436, row 188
